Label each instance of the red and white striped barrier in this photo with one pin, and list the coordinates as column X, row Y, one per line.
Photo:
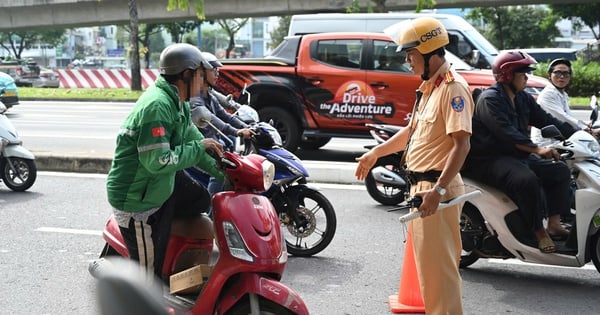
column 103, row 79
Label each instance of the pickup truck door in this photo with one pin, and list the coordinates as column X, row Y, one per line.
column 392, row 81
column 335, row 85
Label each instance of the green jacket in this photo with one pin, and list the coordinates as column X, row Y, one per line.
column 156, row 140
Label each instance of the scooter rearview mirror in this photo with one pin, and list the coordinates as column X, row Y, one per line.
column 552, row 132
column 201, row 116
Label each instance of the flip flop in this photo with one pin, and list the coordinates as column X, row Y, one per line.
column 546, row 245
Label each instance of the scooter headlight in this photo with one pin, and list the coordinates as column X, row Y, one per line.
column 594, row 148
column 235, row 243
column 268, row 174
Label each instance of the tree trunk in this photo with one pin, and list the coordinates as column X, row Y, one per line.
column 134, row 58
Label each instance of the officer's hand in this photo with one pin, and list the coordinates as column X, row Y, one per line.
column 245, row 133
column 431, row 201
column 213, row 147
column 365, row 163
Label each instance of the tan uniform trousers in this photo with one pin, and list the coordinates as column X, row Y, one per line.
column 437, row 247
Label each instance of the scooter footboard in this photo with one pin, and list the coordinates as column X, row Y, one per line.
column 267, row 288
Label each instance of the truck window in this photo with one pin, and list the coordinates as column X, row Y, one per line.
column 341, row 53
column 386, row 58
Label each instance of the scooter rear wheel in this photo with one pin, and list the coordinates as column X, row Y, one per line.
column 471, row 225
column 267, row 307
column 21, row 177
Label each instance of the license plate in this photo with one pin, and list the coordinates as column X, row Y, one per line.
column 9, row 93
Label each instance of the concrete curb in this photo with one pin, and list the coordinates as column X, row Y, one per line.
column 320, row 171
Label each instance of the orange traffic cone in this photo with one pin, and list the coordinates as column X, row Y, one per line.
column 409, row 299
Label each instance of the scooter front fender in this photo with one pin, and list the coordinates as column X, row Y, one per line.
column 267, row 288
column 112, row 236
column 17, row 151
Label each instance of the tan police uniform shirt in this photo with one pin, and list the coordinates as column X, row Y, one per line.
column 445, row 107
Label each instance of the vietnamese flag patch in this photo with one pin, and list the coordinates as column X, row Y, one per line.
column 158, row 131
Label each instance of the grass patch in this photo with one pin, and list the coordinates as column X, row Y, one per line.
column 78, row 94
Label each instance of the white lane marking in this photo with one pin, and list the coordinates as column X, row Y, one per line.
column 588, row 266
column 68, row 231
column 67, row 174
column 66, row 136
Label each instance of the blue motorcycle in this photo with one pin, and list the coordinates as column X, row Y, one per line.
column 307, row 216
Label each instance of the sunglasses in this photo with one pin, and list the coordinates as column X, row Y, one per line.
column 564, row 74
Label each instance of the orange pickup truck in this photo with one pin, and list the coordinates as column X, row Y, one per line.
column 318, row 86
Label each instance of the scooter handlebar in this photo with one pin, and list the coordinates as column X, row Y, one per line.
column 454, row 201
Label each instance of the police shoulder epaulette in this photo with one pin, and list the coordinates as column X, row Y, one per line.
column 446, row 77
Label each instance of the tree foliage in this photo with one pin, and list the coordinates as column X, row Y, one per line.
column 185, row 4
column 517, row 27
column 586, row 13
column 17, row 41
column 283, row 27
column 231, row 27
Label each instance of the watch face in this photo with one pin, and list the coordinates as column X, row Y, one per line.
column 440, row 190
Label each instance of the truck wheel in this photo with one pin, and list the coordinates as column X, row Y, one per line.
column 285, row 124
column 314, row 143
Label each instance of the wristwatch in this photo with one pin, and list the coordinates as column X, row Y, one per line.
column 440, row 190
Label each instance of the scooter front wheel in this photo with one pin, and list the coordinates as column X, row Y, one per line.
column 267, row 307
column 20, row 176
column 316, row 225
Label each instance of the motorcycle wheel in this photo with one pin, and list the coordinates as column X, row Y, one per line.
column 317, row 232
column 21, row 179
column 471, row 224
column 267, row 307
column 595, row 250
column 388, row 195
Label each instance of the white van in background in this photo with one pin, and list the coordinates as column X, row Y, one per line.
column 465, row 41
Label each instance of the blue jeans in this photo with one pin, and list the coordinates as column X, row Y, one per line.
column 214, row 186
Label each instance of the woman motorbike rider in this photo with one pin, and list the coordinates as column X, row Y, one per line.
column 145, row 185
column 503, row 156
column 227, row 123
column 555, row 100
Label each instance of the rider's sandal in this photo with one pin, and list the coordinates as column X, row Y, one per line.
column 546, row 245
column 560, row 236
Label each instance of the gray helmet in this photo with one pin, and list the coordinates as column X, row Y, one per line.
column 177, row 58
column 212, row 59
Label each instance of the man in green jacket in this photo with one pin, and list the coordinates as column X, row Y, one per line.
column 146, row 186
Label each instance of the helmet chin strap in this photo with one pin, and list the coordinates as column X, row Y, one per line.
column 425, row 75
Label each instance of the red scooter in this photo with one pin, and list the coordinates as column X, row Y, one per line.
column 251, row 254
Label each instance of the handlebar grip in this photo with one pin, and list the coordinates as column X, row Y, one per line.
column 411, row 216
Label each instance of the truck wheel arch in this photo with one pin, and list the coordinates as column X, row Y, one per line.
column 281, row 106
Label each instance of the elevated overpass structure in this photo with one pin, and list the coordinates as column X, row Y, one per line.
column 30, row 14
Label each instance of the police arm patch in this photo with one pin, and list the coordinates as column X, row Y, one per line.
column 458, row 103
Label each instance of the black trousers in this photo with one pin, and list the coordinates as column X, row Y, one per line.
column 147, row 241
column 539, row 187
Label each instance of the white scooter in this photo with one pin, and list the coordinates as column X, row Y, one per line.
column 17, row 165
column 491, row 225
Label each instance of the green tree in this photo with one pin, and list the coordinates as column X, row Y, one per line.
column 134, row 56
column 185, row 4
column 17, row 41
column 586, row 13
column 231, row 27
column 178, row 30
column 517, row 27
column 213, row 40
column 283, row 27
